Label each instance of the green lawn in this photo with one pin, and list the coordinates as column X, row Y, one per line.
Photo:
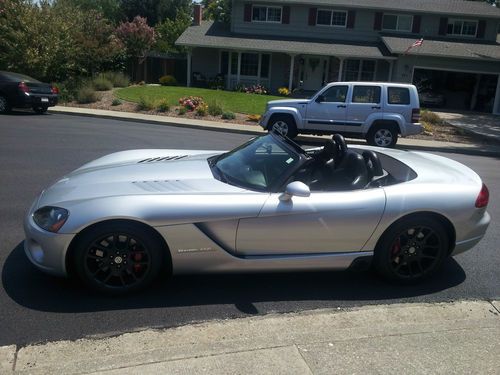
column 231, row 101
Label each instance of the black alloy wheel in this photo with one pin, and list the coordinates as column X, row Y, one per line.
column 412, row 250
column 118, row 259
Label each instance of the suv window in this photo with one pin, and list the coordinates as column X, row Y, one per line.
column 366, row 94
column 398, row 95
column 335, row 94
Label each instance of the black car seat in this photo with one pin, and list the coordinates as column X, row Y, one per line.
column 373, row 164
column 351, row 173
column 323, row 165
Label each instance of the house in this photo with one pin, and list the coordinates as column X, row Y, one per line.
column 303, row 44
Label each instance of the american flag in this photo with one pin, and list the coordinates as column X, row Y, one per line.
column 417, row 43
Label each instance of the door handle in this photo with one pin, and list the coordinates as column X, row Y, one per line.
column 341, row 106
column 376, row 107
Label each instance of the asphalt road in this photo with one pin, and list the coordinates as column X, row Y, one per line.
column 35, row 150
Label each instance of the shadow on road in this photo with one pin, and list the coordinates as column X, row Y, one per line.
column 35, row 290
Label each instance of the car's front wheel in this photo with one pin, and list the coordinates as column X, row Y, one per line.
column 412, row 249
column 118, row 257
column 283, row 124
column 382, row 136
column 40, row 109
column 4, row 105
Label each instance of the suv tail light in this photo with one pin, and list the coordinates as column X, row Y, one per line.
column 415, row 115
column 23, row 87
column 54, row 90
column 483, row 198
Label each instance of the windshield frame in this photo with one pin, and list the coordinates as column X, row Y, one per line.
column 277, row 186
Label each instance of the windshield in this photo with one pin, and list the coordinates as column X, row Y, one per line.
column 260, row 164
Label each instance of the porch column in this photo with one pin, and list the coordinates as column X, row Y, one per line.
column 496, row 103
column 341, row 69
column 188, row 78
column 228, row 83
column 290, row 76
column 391, row 67
column 239, row 68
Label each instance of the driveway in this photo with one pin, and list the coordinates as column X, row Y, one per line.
column 484, row 124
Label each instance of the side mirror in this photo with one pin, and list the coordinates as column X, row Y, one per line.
column 320, row 99
column 297, row 189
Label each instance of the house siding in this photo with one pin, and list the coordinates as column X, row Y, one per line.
column 363, row 28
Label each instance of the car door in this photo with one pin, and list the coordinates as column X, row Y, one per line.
column 328, row 111
column 365, row 100
column 324, row 222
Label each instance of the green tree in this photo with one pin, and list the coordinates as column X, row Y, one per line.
column 169, row 30
column 110, row 9
column 155, row 11
column 218, row 10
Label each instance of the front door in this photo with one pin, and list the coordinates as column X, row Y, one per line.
column 324, row 222
column 329, row 112
column 314, row 70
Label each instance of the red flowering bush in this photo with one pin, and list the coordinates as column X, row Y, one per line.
column 191, row 102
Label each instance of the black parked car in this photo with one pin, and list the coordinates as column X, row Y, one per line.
column 21, row 91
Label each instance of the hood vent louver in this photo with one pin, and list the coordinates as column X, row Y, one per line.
column 163, row 158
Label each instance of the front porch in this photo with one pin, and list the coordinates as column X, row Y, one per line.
column 297, row 72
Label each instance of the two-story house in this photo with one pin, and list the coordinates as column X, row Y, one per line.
column 303, row 44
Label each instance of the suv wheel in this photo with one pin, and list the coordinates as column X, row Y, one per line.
column 382, row 136
column 283, row 124
column 4, row 104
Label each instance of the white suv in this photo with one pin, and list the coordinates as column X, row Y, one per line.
column 376, row 111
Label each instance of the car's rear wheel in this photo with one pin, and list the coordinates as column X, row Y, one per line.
column 4, row 104
column 284, row 125
column 40, row 109
column 412, row 249
column 383, row 135
column 118, row 257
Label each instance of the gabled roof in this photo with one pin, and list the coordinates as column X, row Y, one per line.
column 444, row 7
column 441, row 48
column 217, row 35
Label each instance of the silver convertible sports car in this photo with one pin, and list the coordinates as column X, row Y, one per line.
column 268, row 205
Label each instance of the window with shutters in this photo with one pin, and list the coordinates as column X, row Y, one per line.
column 266, row 14
column 397, row 22
column 461, row 27
column 336, row 18
column 359, row 70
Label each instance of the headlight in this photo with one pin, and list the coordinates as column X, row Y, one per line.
column 50, row 218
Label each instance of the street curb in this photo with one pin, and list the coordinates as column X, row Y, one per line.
column 466, row 149
column 321, row 340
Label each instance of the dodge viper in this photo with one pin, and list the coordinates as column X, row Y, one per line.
column 268, row 205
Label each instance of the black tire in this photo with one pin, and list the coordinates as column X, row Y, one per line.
column 284, row 124
column 40, row 110
column 383, row 135
column 411, row 250
column 118, row 257
column 4, row 105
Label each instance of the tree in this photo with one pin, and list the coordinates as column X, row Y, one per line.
column 155, row 11
column 137, row 37
column 169, row 30
column 110, row 9
column 218, row 10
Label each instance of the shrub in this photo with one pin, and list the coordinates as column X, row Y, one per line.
column 214, row 108
column 117, row 79
column 168, row 81
column 163, row 106
column 283, row 91
column 191, row 102
column 254, row 118
column 145, row 104
column 216, row 83
column 202, row 109
column 182, row 111
column 116, row 102
column 430, row 117
column 228, row 116
column 256, row 89
column 101, row 84
column 86, row 95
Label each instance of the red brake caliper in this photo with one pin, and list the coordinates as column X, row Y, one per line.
column 396, row 248
column 137, row 257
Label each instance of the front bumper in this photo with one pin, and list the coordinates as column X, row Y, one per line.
column 46, row 250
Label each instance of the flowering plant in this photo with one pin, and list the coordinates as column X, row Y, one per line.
column 256, row 89
column 191, row 102
column 283, row 91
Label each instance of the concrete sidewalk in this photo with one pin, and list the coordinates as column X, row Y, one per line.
column 483, row 124
column 403, row 143
column 443, row 338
